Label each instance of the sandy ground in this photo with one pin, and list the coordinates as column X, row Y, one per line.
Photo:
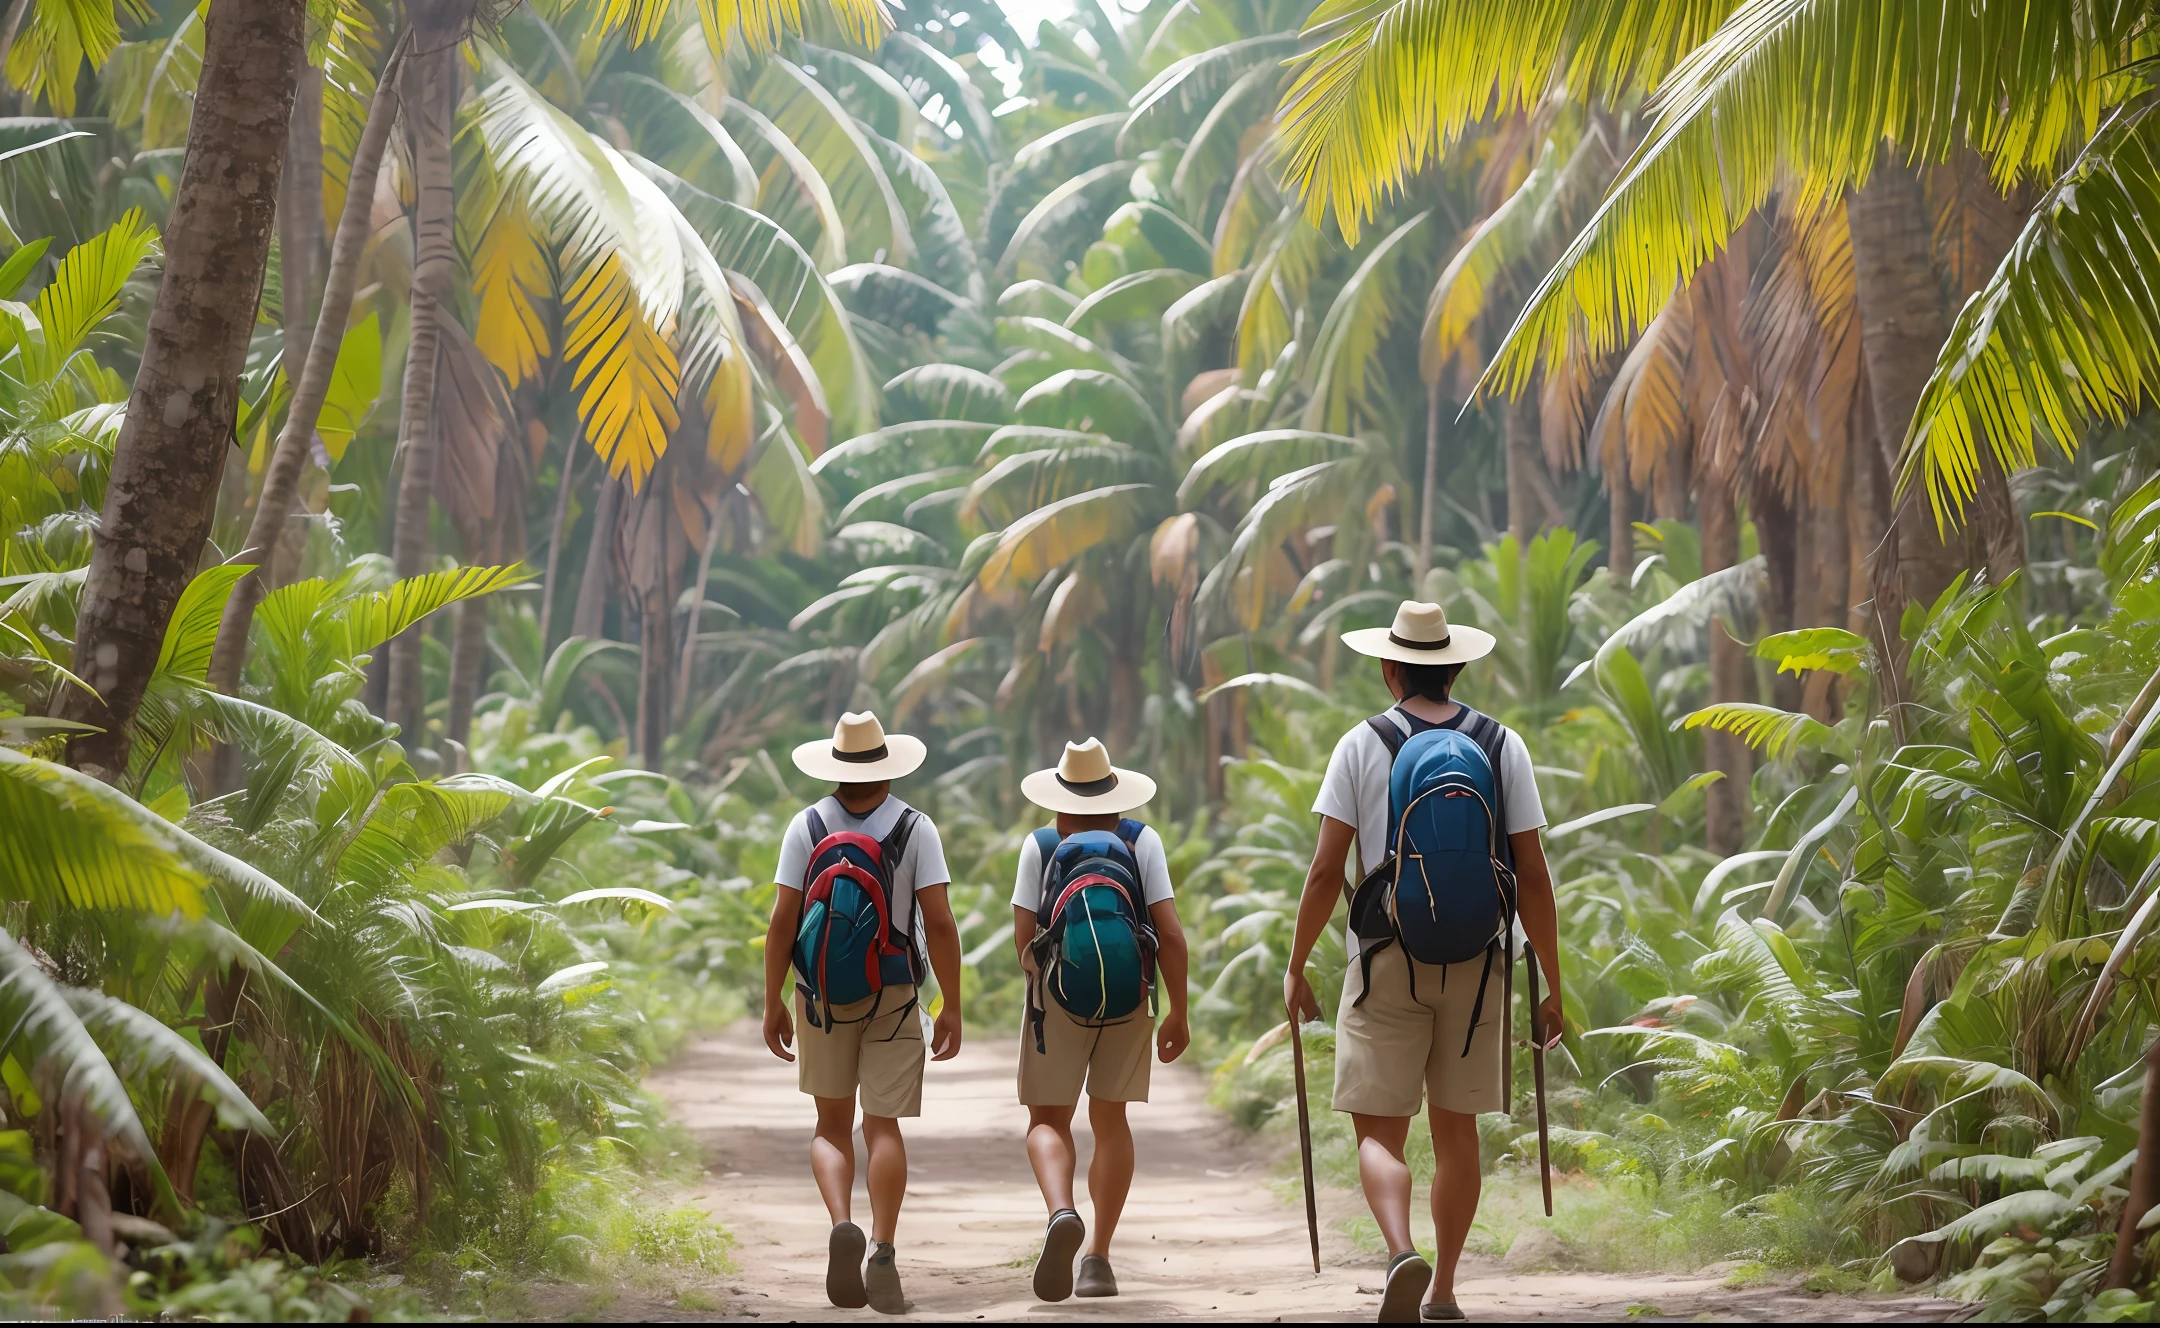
column 1205, row 1235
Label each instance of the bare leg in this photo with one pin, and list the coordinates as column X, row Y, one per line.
column 888, row 1174
column 1385, row 1175
column 1456, row 1181
column 832, row 1155
column 1051, row 1153
column 1110, row 1172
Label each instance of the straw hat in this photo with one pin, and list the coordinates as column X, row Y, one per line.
column 1421, row 635
column 1086, row 784
column 861, row 752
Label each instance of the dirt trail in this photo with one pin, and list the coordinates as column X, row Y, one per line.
column 1204, row 1234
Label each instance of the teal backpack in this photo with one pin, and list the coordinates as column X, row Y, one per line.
column 1094, row 948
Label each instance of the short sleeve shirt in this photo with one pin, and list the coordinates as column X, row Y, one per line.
column 1355, row 791
column 1147, row 849
column 922, row 864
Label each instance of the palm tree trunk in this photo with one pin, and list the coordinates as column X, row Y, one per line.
column 1725, row 803
column 171, row 449
column 1904, row 320
column 1430, row 485
column 2144, row 1179
column 697, row 612
column 1785, row 538
column 556, row 533
column 281, row 477
column 300, row 219
column 1532, row 506
column 1619, row 523
column 427, row 117
column 590, row 618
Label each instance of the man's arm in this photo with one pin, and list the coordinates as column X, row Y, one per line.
column 1540, row 914
column 779, row 946
column 943, row 935
column 1024, row 937
column 1174, row 1034
column 1324, row 885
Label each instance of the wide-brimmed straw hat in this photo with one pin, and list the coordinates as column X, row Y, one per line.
column 1421, row 635
column 861, row 752
column 1086, row 784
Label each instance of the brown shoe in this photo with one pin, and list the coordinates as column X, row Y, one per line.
column 1054, row 1266
column 881, row 1282
column 843, row 1267
column 1095, row 1277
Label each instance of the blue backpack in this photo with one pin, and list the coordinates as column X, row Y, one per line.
column 1094, row 948
column 848, row 945
column 1446, row 890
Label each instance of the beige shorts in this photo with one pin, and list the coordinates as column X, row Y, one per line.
column 881, row 1057
column 1112, row 1061
column 1395, row 1049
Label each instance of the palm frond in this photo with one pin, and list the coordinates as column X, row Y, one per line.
column 1774, row 732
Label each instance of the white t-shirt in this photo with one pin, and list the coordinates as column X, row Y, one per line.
column 1147, row 850
column 1355, row 792
column 921, row 864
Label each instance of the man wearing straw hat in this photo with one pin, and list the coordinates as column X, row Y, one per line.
column 1075, row 887
column 1408, row 1031
column 870, row 1047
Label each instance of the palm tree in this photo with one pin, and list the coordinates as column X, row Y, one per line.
column 172, row 447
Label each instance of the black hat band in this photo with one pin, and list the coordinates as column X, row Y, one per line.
column 876, row 753
column 1093, row 788
column 1408, row 644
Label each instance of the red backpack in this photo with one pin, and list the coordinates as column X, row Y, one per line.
column 848, row 946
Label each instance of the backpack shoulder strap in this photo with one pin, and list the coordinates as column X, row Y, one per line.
column 1046, row 846
column 896, row 839
column 815, row 824
column 1129, row 830
column 1390, row 733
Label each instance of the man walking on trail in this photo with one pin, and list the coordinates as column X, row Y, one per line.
column 1094, row 922
column 1407, row 1029
column 862, row 899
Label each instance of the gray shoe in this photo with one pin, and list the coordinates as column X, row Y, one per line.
column 1408, row 1277
column 1054, row 1266
column 1443, row 1311
column 881, row 1281
column 843, row 1267
column 1095, row 1277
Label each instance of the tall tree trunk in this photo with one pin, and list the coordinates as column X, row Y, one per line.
column 300, row 217
column 697, row 612
column 557, row 532
column 598, row 582
column 172, row 444
column 1531, row 503
column 468, row 659
column 1904, row 320
column 1619, row 523
column 1784, row 537
column 281, row 477
column 1825, row 577
column 433, row 89
column 2144, row 1180
column 646, row 518
column 1431, row 486
column 1725, row 803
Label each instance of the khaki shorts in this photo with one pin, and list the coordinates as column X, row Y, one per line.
column 881, row 1057
column 1112, row 1060
column 1395, row 1049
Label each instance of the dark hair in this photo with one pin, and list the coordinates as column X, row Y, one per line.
column 1431, row 681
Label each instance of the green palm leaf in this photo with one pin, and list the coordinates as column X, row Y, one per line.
column 1255, row 457
column 1177, row 99
column 1774, row 732
column 838, row 150
column 1345, row 375
column 138, row 1045
column 949, row 392
column 1051, row 536
column 192, row 630
column 371, row 619
column 1091, row 400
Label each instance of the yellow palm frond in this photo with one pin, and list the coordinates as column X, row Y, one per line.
column 1804, row 93
column 510, row 278
column 351, row 50
column 626, row 372
column 1051, row 536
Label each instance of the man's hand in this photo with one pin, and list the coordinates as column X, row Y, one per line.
column 779, row 1030
column 1550, row 1023
column 945, row 1035
column 1172, row 1036
column 1297, row 996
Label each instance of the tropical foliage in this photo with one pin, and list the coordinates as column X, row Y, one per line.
column 636, row 386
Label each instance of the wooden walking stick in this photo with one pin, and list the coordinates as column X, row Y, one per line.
column 1537, row 1068
column 1304, row 1134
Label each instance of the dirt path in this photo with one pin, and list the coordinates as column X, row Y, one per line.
column 1204, row 1234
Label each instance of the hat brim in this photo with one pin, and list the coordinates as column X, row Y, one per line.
column 1133, row 789
column 1464, row 644
column 903, row 756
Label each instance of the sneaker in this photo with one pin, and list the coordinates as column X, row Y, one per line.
column 881, row 1281
column 1054, row 1266
column 1408, row 1277
column 843, row 1267
column 1442, row 1311
column 1095, row 1278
